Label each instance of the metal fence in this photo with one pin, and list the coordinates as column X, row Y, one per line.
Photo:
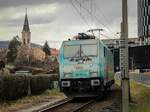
column 138, row 77
column 145, row 79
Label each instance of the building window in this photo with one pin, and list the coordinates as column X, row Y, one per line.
column 28, row 41
column 148, row 2
column 148, row 10
column 149, row 29
column 24, row 41
column 148, row 20
column 143, row 11
column 144, row 21
column 143, row 3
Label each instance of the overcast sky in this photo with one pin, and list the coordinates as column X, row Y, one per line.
column 57, row 20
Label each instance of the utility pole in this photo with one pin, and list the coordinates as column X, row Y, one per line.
column 124, row 57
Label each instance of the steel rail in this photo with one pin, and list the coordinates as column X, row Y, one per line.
column 64, row 103
column 56, row 105
column 84, row 105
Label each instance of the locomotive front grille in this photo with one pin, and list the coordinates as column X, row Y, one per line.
column 82, row 83
column 82, row 86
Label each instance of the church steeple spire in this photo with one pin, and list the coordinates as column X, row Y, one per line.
column 26, row 34
column 26, row 23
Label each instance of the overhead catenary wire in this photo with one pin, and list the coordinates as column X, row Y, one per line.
column 51, row 41
column 80, row 14
column 92, row 11
column 96, row 18
column 91, row 14
column 107, row 22
column 106, row 19
column 79, row 11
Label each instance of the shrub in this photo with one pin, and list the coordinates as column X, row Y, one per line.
column 14, row 86
column 1, row 87
column 54, row 77
column 40, row 83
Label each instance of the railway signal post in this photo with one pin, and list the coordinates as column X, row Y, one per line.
column 124, row 57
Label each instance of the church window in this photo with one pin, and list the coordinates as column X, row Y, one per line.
column 24, row 41
column 28, row 40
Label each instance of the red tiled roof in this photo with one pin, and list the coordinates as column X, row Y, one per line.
column 54, row 52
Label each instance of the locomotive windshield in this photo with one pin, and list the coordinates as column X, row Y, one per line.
column 71, row 51
column 88, row 50
column 76, row 51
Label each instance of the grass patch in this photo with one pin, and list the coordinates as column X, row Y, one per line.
column 140, row 95
column 53, row 92
column 29, row 101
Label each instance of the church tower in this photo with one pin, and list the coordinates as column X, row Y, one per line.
column 26, row 34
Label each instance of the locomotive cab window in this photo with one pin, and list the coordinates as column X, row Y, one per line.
column 89, row 50
column 76, row 51
column 71, row 51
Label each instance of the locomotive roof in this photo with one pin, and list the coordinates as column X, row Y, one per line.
column 89, row 41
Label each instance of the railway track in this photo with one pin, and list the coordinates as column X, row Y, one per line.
column 111, row 103
column 69, row 105
column 56, row 105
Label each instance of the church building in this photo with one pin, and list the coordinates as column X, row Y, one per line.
column 27, row 47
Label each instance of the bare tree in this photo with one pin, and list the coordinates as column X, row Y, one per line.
column 24, row 57
column 13, row 49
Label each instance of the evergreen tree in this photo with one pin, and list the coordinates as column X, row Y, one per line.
column 13, row 49
column 46, row 49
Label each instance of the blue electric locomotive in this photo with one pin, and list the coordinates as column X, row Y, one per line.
column 86, row 67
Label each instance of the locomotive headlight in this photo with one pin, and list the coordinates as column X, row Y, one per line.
column 94, row 74
column 95, row 82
